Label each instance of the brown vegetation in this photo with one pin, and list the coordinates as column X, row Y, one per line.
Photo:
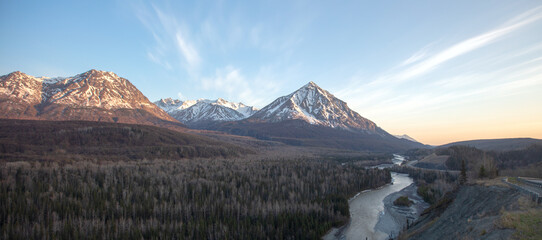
column 432, row 184
column 79, row 140
column 301, row 133
column 489, row 164
column 402, row 201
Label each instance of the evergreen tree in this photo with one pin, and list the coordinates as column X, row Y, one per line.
column 482, row 173
column 463, row 177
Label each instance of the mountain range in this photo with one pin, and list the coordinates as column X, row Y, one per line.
column 309, row 116
column 199, row 113
column 92, row 96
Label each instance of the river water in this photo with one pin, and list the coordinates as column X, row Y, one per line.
column 366, row 209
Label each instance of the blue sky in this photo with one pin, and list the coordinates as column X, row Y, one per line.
column 439, row 71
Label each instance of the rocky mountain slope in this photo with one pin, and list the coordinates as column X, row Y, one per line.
column 19, row 93
column 316, row 106
column 311, row 116
column 199, row 113
column 93, row 95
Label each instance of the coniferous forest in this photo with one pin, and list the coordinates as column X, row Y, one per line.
column 183, row 199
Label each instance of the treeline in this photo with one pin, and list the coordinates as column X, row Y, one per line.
column 525, row 162
column 517, row 158
column 184, row 199
column 489, row 164
column 432, row 185
column 78, row 140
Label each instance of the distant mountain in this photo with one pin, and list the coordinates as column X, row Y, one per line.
column 169, row 105
column 202, row 112
column 505, row 144
column 311, row 116
column 93, row 96
column 404, row 136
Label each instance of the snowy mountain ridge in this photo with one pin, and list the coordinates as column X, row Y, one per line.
column 316, row 106
column 87, row 96
column 404, row 136
column 202, row 110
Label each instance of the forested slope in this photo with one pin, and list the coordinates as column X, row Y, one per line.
column 184, row 199
column 82, row 140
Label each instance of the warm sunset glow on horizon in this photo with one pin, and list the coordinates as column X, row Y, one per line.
column 435, row 135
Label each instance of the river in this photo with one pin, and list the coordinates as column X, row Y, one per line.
column 367, row 208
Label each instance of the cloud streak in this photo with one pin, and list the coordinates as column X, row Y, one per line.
column 229, row 80
column 417, row 67
column 172, row 45
column 235, row 86
column 413, row 87
column 187, row 50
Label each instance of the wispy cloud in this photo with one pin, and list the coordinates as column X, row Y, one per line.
column 188, row 51
column 233, row 84
column 415, row 68
column 172, row 44
column 217, row 49
column 413, row 87
column 229, row 80
column 462, row 89
column 181, row 96
column 418, row 56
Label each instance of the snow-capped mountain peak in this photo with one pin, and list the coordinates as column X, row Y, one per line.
column 247, row 111
column 100, row 92
column 316, row 106
column 20, row 86
column 168, row 104
column 202, row 110
column 95, row 89
column 404, row 136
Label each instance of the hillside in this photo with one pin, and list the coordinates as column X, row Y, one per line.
column 475, row 212
column 505, row 144
column 83, row 140
column 301, row 133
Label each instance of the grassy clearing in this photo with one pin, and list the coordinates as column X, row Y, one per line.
column 513, row 180
column 528, row 224
column 492, row 182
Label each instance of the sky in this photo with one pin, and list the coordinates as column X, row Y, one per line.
column 439, row 71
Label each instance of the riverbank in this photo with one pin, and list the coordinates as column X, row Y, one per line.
column 365, row 211
column 394, row 218
column 479, row 211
